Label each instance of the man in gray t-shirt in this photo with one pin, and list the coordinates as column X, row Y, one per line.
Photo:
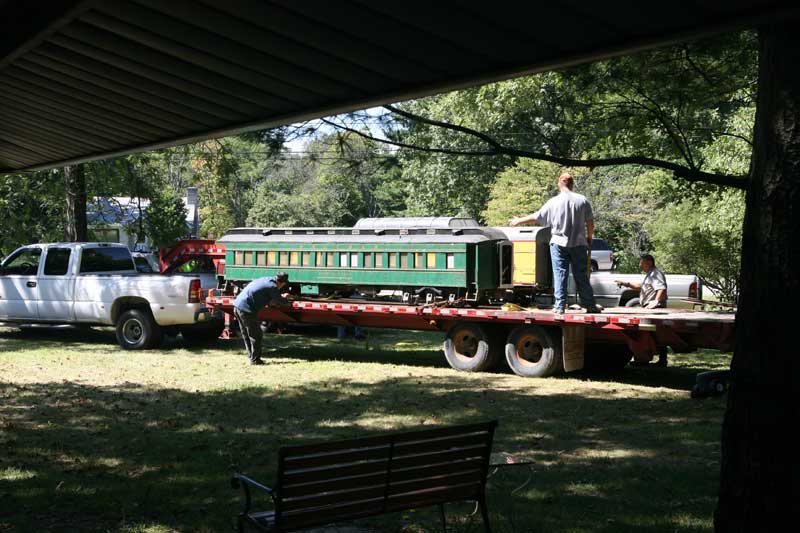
column 653, row 287
column 571, row 222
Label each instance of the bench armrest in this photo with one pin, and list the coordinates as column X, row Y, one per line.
column 240, row 480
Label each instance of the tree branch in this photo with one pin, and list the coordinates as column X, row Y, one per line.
column 497, row 149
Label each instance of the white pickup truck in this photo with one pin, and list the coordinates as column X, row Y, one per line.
column 90, row 284
column 607, row 293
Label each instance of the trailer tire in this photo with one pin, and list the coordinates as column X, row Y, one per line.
column 469, row 348
column 136, row 330
column 533, row 352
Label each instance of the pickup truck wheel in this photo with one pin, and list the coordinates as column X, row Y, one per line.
column 199, row 334
column 532, row 352
column 469, row 348
column 136, row 330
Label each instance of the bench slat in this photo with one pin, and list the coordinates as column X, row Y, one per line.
column 456, row 441
column 304, row 487
column 471, row 491
column 439, row 482
column 440, row 457
column 316, row 482
column 333, row 458
column 378, row 440
column 352, row 455
column 321, row 474
column 331, row 514
column 451, row 467
column 312, row 501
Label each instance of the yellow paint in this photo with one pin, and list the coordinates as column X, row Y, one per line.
column 524, row 262
column 431, row 260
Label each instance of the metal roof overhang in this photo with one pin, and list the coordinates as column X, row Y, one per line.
column 84, row 80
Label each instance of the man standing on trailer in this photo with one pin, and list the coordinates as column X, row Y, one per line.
column 258, row 294
column 570, row 218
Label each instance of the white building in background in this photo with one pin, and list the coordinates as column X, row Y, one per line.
column 115, row 219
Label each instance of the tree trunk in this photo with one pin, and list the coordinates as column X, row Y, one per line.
column 758, row 461
column 76, row 229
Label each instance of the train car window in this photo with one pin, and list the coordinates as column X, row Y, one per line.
column 272, row 258
column 392, row 260
column 283, row 258
column 306, row 259
column 419, row 260
column 342, row 259
column 354, row 260
column 294, row 259
column 261, row 258
column 368, row 260
column 238, row 258
column 431, row 260
column 451, row 261
column 404, row 260
column 248, row 258
column 378, row 260
column 331, row 259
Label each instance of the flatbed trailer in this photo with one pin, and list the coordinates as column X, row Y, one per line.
column 534, row 343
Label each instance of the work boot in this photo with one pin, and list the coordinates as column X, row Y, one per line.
column 594, row 309
column 257, row 362
column 558, row 310
column 662, row 361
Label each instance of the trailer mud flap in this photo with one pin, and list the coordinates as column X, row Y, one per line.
column 573, row 340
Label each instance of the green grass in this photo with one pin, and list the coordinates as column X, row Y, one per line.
column 93, row 438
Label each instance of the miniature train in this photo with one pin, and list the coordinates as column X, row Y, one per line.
column 421, row 260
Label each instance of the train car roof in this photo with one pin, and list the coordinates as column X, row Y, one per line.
column 416, row 222
column 359, row 235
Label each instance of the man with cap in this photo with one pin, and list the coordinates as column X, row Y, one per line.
column 258, row 294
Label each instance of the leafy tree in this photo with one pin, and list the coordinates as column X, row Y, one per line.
column 520, row 190
column 342, row 178
column 703, row 237
column 165, row 219
column 31, row 209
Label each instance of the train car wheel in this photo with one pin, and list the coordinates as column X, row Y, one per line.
column 533, row 351
column 468, row 347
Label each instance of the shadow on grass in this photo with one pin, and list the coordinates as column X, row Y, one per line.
column 412, row 348
column 77, row 457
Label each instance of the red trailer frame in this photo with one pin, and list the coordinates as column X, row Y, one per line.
column 643, row 332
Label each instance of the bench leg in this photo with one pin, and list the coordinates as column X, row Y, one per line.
column 485, row 514
column 444, row 519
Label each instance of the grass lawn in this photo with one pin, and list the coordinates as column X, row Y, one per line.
column 93, row 438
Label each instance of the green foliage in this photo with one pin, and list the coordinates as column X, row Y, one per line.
column 31, row 209
column 618, row 107
column 520, row 190
column 703, row 236
column 164, row 219
column 345, row 177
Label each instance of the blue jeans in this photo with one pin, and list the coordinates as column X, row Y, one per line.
column 578, row 258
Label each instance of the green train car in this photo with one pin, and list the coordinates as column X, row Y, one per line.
column 418, row 260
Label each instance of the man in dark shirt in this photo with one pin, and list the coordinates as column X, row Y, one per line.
column 258, row 294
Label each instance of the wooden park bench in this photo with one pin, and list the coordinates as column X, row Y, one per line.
column 319, row 484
